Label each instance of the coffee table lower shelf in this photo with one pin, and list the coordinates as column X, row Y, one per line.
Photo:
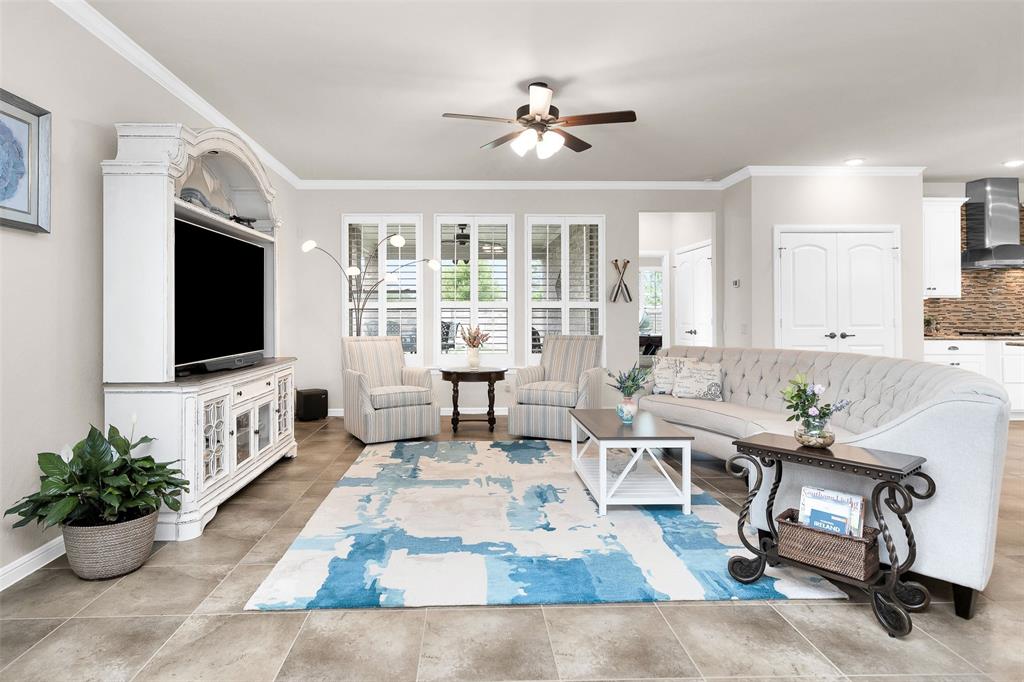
column 639, row 487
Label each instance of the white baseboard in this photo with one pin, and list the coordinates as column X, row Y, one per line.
column 336, row 412
column 31, row 562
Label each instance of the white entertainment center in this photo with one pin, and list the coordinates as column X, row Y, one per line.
column 223, row 428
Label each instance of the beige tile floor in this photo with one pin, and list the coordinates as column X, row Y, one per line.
column 180, row 616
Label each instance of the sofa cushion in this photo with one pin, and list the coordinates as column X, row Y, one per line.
column 728, row 419
column 664, row 371
column 702, row 380
column 553, row 393
column 399, row 396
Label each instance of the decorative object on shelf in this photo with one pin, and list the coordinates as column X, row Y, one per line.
column 931, row 325
column 474, row 338
column 802, row 398
column 629, row 384
column 24, row 164
column 360, row 289
column 105, row 500
column 621, row 288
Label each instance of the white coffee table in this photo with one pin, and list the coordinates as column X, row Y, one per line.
column 636, row 484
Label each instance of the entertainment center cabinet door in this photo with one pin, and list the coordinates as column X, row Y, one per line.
column 265, row 426
column 285, row 404
column 213, row 438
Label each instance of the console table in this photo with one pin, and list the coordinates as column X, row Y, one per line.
column 458, row 375
column 892, row 598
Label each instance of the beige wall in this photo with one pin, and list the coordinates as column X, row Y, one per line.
column 311, row 318
column 51, row 285
column 832, row 201
column 736, row 212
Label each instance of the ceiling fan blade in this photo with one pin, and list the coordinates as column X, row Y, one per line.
column 572, row 142
column 540, row 99
column 596, row 119
column 502, row 140
column 473, row 117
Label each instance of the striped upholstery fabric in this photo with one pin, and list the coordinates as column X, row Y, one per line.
column 383, row 399
column 557, row 393
column 399, row 396
column 569, row 363
column 566, row 357
column 380, row 358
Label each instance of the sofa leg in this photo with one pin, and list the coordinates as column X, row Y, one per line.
column 964, row 601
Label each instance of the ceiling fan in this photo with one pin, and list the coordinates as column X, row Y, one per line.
column 544, row 127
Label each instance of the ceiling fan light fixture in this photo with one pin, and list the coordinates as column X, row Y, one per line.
column 550, row 143
column 540, row 99
column 524, row 142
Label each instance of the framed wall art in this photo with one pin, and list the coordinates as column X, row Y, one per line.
column 24, row 164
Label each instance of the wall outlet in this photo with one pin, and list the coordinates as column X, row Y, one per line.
column 735, row 284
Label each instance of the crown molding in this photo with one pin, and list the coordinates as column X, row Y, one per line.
column 101, row 27
column 563, row 185
column 95, row 23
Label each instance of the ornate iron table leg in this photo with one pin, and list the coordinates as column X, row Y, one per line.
column 892, row 599
column 749, row 570
column 455, row 405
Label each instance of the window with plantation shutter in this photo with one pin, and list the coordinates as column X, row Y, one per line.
column 392, row 309
column 566, row 270
column 651, row 301
column 474, row 285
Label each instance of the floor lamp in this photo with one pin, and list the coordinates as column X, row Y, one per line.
column 354, row 277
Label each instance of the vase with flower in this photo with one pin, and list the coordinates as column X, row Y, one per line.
column 474, row 338
column 629, row 384
column 803, row 399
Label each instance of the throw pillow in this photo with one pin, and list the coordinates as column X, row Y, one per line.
column 664, row 371
column 701, row 380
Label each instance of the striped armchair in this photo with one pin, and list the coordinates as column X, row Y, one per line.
column 568, row 375
column 383, row 399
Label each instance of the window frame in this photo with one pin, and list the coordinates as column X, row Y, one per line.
column 564, row 304
column 662, row 310
column 473, row 220
column 382, row 220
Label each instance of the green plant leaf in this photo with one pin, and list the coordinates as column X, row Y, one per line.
column 51, row 486
column 51, row 464
column 119, row 480
column 59, row 510
column 172, row 503
column 142, row 441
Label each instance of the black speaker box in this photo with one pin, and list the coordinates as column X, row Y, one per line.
column 310, row 404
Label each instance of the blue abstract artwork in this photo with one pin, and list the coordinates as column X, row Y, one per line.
column 464, row 523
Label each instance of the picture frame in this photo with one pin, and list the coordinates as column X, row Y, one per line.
column 25, row 134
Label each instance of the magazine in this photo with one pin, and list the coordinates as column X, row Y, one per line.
column 832, row 511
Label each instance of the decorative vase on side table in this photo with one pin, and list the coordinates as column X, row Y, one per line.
column 802, row 398
column 473, row 357
column 473, row 337
column 629, row 384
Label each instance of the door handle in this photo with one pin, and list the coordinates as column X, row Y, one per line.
column 844, row 335
column 830, row 335
column 691, row 331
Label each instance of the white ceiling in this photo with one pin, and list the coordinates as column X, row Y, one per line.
column 355, row 90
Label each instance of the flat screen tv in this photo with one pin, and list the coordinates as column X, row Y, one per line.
column 218, row 300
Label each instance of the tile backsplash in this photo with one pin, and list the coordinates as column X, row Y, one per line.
column 991, row 301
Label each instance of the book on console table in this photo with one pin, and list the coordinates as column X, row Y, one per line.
column 832, row 511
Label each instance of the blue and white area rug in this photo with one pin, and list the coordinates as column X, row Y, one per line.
column 459, row 523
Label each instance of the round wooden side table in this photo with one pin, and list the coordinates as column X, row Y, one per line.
column 458, row 375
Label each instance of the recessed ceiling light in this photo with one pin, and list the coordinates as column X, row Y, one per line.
column 854, row 162
column 1014, row 163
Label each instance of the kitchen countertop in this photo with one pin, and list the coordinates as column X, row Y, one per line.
column 969, row 337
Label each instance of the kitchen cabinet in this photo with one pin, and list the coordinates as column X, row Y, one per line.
column 1000, row 360
column 942, row 247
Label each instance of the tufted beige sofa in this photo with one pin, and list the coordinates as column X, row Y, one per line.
column 956, row 419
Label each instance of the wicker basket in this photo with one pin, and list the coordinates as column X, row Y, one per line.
column 853, row 557
column 108, row 551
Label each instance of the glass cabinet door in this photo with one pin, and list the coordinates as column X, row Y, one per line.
column 264, row 426
column 284, row 405
column 243, row 436
column 214, row 439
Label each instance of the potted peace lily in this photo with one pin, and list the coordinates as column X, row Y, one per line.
column 802, row 398
column 629, row 384
column 104, row 499
column 474, row 338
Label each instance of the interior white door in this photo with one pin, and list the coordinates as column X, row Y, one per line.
column 838, row 292
column 694, row 297
column 866, row 293
column 807, row 291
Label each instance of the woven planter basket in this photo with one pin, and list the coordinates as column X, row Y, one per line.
column 96, row 552
column 843, row 554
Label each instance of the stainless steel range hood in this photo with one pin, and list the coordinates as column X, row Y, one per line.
column 993, row 225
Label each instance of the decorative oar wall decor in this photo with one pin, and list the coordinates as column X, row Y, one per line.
column 621, row 288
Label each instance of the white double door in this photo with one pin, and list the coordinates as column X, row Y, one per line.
column 694, row 297
column 838, row 292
